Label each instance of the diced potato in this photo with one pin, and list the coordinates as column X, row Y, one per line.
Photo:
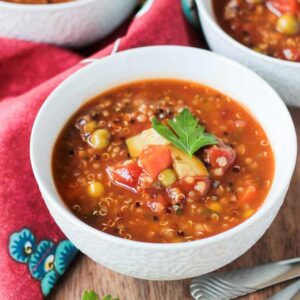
column 215, row 206
column 137, row 143
column 185, row 165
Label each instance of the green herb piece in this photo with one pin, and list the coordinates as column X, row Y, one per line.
column 91, row 295
column 109, row 297
column 177, row 209
column 186, row 134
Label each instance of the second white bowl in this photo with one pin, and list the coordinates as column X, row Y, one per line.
column 283, row 75
column 73, row 24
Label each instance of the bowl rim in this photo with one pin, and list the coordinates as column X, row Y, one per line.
column 58, row 204
column 210, row 18
column 45, row 7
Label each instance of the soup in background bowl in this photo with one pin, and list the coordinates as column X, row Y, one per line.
column 270, row 27
column 261, row 34
column 166, row 67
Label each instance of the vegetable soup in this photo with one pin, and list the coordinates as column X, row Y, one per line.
column 163, row 161
column 271, row 27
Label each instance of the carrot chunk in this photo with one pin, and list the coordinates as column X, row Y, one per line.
column 155, row 158
column 249, row 195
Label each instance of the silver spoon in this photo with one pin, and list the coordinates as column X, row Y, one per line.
column 233, row 284
column 292, row 292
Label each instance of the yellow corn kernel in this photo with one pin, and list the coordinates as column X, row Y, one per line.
column 215, row 206
column 95, row 189
column 90, row 126
column 248, row 213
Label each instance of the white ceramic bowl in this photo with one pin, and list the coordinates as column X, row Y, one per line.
column 164, row 261
column 73, row 24
column 283, row 75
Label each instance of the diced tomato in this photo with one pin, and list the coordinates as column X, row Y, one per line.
column 292, row 54
column 249, row 195
column 126, row 174
column 158, row 204
column 155, row 158
column 283, row 6
column 199, row 184
column 220, row 157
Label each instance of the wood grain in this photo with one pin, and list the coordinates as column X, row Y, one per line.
column 281, row 241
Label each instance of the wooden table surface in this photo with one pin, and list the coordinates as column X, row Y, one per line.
column 281, row 241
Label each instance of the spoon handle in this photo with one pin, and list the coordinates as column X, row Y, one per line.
column 233, row 284
column 292, row 292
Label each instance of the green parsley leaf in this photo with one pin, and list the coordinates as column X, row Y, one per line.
column 90, row 295
column 109, row 297
column 186, row 134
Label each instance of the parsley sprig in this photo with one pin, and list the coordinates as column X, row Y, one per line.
column 184, row 132
column 91, row 295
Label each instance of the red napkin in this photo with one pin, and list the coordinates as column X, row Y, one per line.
column 34, row 252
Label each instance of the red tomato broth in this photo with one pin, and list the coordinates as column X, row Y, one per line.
column 263, row 25
column 127, row 213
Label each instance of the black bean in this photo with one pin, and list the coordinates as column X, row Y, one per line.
column 180, row 233
column 236, row 169
column 155, row 218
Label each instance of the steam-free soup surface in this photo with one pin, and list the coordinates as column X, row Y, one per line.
column 270, row 27
column 124, row 167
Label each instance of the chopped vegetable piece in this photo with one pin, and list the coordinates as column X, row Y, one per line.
column 185, row 165
column 288, row 24
column 167, row 177
column 249, row 195
column 291, row 53
column 176, row 195
column 199, row 184
column 100, row 139
column 255, row 1
column 126, row 174
column 248, row 213
column 155, row 158
column 283, row 6
column 137, row 143
column 95, row 189
column 187, row 135
column 220, row 158
column 158, row 204
column 89, row 126
column 216, row 207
